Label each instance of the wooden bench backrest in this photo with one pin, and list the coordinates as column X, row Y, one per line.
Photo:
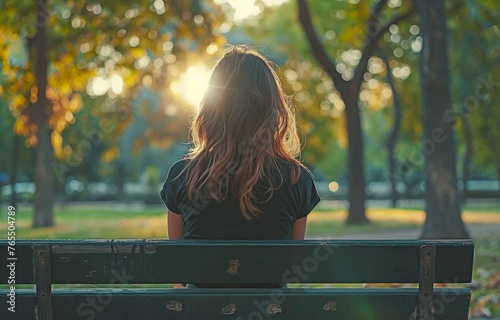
column 126, row 262
column 311, row 261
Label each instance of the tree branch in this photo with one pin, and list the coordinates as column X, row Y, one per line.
column 372, row 24
column 391, row 141
column 316, row 46
column 373, row 35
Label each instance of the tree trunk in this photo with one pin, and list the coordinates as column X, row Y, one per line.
column 393, row 135
column 349, row 91
column 498, row 177
column 356, row 194
column 44, row 177
column 121, row 174
column 467, row 156
column 14, row 168
column 443, row 212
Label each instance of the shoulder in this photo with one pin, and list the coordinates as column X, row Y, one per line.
column 172, row 191
column 288, row 166
column 177, row 169
column 306, row 172
column 306, row 175
column 301, row 173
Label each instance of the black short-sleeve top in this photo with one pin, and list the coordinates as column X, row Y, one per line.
column 224, row 220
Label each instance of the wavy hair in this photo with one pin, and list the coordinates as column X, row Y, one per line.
column 244, row 127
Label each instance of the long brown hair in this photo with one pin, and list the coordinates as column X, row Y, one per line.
column 243, row 127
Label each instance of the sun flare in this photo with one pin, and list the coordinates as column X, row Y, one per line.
column 192, row 85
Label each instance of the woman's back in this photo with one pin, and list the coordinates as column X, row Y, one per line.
column 224, row 220
column 241, row 178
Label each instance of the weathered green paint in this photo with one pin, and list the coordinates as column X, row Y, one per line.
column 213, row 304
column 126, row 262
column 43, row 282
column 329, row 261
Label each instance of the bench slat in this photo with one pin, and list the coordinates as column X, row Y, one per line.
column 324, row 303
column 310, row 261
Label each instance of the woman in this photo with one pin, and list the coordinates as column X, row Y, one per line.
column 241, row 178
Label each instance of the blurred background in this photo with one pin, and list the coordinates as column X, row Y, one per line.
column 123, row 80
column 397, row 105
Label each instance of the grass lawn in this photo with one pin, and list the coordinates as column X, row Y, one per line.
column 151, row 223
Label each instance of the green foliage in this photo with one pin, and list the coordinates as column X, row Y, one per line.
column 137, row 42
column 341, row 27
column 107, row 50
column 475, row 62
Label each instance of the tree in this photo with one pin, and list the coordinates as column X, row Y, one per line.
column 393, row 136
column 443, row 213
column 475, row 36
column 44, row 178
column 81, row 48
column 349, row 90
column 476, row 93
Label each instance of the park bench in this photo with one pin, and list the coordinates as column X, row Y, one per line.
column 116, row 279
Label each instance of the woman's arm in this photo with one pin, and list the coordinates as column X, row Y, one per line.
column 175, row 226
column 299, row 229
